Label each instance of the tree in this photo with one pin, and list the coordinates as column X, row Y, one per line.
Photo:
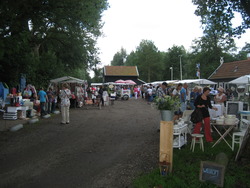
column 148, row 60
column 242, row 55
column 119, row 58
column 172, row 59
column 132, row 59
column 222, row 13
column 48, row 38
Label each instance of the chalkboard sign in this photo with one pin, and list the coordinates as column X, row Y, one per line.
column 212, row 172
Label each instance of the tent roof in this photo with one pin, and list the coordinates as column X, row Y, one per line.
column 68, row 79
column 196, row 81
column 241, row 80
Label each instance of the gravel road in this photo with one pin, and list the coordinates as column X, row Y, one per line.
column 99, row 148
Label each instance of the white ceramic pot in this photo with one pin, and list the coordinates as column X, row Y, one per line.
column 230, row 121
column 220, row 121
column 230, row 116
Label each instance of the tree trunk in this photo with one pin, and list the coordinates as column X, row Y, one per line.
column 36, row 49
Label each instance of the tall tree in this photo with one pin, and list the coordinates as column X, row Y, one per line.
column 148, row 61
column 119, row 58
column 48, row 38
column 223, row 12
column 173, row 57
column 242, row 55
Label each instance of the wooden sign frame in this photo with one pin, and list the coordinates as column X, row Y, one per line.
column 212, row 172
column 166, row 143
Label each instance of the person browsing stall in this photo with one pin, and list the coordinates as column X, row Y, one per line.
column 162, row 90
column 203, row 102
column 193, row 96
column 220, row 98
column 42, row 96
column 65, row 95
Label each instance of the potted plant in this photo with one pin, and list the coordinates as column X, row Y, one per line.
column 167, row 105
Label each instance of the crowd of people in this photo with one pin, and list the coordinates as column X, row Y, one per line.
column 190, row 99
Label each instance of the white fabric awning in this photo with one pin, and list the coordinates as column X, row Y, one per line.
column 197, row 81
column 241, row 80
column 68, row 79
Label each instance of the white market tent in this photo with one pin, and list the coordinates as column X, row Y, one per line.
column 197, row 81
column 68, row 79
column 160, row 82
column 241, row 80
column 96, row 84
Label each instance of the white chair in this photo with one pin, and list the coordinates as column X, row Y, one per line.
column 243, row 114
column 238, row 136
column 197, row 138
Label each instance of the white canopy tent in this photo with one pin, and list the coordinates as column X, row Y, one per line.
column 68, row 79
column 241, row 80
column 160, row 82
column 197, row 81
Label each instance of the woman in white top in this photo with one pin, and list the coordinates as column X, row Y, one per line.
column 65, row 95
column 220, row 98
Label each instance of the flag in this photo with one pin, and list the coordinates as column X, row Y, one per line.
column 198, row 74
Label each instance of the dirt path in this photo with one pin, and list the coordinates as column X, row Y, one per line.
column 99, row 148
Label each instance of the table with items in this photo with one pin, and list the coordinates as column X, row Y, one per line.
column 223, row 126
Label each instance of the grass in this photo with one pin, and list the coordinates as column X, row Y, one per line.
column 186, row 169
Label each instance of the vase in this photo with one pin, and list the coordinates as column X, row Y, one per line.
column 166, row 115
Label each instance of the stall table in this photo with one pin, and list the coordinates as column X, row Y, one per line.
column 227, row 129
column 12, row 112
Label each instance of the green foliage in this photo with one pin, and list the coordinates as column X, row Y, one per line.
column 172, row 59
column 119, row 58
column 186, row 169
column 220, row 15
column 243, row 52
column 218, row 33
column 148, row 60
column 167, row 103
column 46, row 39
column 98, row 78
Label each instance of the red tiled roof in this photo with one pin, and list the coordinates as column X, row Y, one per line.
column 232, row 70
column 121, row 71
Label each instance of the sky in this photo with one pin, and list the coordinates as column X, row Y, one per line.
column 165, row 22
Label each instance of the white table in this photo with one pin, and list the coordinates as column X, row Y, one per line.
column 227, row 129
column 180, row 132
column 14, row 109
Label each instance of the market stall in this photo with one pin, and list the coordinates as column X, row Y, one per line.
column 78, row 88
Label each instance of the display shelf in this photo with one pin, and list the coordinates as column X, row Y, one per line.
column 180, row 135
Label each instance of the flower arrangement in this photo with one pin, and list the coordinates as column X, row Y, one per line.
column 167, row 103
